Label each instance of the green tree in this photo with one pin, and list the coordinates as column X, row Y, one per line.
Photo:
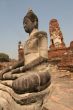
column 4, row 57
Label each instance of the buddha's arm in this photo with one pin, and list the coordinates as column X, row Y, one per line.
column 30, row 65
column 34, row 58
column 42, row 44
column 17, row 65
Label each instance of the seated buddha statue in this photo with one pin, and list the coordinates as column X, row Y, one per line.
column 31, row 73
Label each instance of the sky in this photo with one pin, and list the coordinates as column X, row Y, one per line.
column 12, row 13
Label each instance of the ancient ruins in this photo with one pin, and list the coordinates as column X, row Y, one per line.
column 66, row 62
column 56, row 37
column 58, row 51
column 20, row 51
column 42, row 78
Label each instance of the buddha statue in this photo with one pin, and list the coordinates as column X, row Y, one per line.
column 31, row 73
column 23, row 86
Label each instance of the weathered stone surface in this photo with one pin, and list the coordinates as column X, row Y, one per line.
column 66, row 62
column 61, row 96
column 20, row 51
column 31, row 83
column 57, row 53
column 12, row 101
column 6, row 64
column 67, row 59
column 58, row 95
column 25, row 85
column 56, row 37
column 36, row 46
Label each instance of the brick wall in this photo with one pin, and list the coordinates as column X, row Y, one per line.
column 57, row 53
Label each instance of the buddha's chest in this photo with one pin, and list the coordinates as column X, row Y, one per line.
column 31, row 45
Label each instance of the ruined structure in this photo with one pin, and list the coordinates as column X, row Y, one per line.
column 6, row 64
column 58, row 52
column 27, row 85
column 67, row 59
column 57, row 47
column 20, row 51
column 56, row 37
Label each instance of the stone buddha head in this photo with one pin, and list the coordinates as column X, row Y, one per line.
column 30, row 21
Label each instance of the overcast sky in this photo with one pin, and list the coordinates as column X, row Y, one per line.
column 11, row 21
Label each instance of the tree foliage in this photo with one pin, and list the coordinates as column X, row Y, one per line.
column 4, row 57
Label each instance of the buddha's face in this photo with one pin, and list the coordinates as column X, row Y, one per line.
column 28, row 25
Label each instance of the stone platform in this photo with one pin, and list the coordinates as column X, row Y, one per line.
column 61, row 96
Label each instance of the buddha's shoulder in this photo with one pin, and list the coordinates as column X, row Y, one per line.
column 40, row 34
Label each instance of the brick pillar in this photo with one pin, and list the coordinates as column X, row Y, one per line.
column 56, row 37
column 20, row 51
